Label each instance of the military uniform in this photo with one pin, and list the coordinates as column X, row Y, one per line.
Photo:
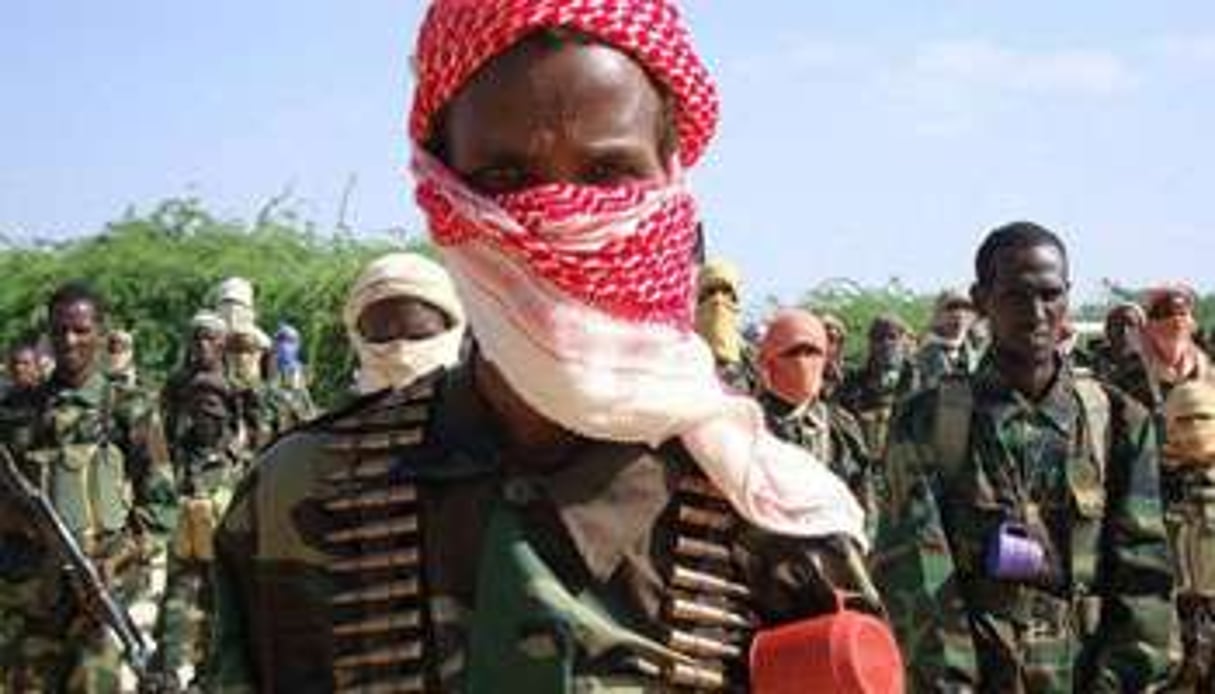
column 1077, row 472
column 99, row 453
column 18, row 407
column 210, row 453
column 936, row 360
column 871, row 395
column 395, row 547
column 269, row 411
column 830, row 434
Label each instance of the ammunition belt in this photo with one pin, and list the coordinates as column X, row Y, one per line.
column 381, row 625
column 706, row 608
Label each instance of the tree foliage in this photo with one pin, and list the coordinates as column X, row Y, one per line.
column 156, row 270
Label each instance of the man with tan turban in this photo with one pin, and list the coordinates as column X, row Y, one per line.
column 404, row 320
column 580, row 506
column 718, row 310
column 792, row 361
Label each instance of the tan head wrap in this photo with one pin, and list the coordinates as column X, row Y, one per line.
column 397, row 363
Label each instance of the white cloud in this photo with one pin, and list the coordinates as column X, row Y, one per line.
column 984, row 64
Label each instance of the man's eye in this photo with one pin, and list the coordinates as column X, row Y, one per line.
column 506, row 178
column 609, row 172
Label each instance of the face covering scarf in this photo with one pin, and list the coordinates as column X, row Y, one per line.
column 397, row 363
column 1170, row 350
column 582, row 297
column 797, row 380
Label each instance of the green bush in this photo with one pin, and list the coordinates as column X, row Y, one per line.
column 156, row 270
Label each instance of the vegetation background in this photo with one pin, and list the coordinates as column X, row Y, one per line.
column 157, row 269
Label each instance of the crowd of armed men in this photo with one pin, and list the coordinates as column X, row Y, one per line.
column 562, row 468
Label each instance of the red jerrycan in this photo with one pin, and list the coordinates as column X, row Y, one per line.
column 843, row 652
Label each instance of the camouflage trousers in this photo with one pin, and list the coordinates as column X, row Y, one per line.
column 1191, row 528
column 49, row 645
column 183, row 628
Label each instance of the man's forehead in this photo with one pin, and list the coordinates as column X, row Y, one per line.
column 1041, row 264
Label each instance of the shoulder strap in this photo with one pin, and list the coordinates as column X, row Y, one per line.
column 1095, row 404
column 951, row 427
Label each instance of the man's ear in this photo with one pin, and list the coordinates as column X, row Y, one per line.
column 978, row 297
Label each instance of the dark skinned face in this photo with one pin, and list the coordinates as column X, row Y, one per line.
column 571, row 113
column 401, row 318
column 23, row 368
column 1120, row 326
column 207, row 349
column 1026, row 304
column 886, row 345
column 75, row 338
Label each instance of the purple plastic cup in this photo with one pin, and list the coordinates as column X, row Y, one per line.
column 1014, row 555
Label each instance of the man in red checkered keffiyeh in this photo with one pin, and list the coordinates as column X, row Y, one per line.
column 581, row 504
column 581, row 295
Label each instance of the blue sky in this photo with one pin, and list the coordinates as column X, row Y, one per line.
column 859, row 139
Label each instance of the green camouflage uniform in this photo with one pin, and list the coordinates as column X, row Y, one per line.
column 270, row 411
column 870, row 395
column 1189, row 516
column 99, row 452
column 832, row 435
column 357, row 552
column 970, row 455
column 936, row 360
column 210, row 453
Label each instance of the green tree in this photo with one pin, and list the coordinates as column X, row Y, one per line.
column 155, row 271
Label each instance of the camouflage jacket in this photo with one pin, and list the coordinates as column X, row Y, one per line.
column 398, row 544
column 832, row 435
column 871, row 396
column 1099, row 618
column 106, row 426
column 934, row 361
column 18, row 409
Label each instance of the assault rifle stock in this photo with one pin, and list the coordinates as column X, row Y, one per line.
column 95, row 598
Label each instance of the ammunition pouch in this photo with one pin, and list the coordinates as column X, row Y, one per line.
column 87, row 484
column 194, row 538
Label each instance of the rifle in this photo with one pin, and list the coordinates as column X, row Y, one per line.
column 95, row 598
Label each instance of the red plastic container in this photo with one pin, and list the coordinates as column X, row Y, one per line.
column 845, row 652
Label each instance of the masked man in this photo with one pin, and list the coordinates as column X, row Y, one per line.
column 1189, row 454
column 718, row 309
column 288, row 369
column 947, row 349
column 404, row 320
column 120, row 357
column 871, row 392
column 792, row 361
column 1022, row 548
column 583, row 506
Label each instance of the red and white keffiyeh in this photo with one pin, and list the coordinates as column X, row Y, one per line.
column 459, row 36
column 582, row 296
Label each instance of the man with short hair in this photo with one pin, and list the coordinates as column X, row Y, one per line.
column 20, row 400
column 583, row 506
column 871, row 392
column 946, row 349
column 98, row 450
column 1024, row 546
